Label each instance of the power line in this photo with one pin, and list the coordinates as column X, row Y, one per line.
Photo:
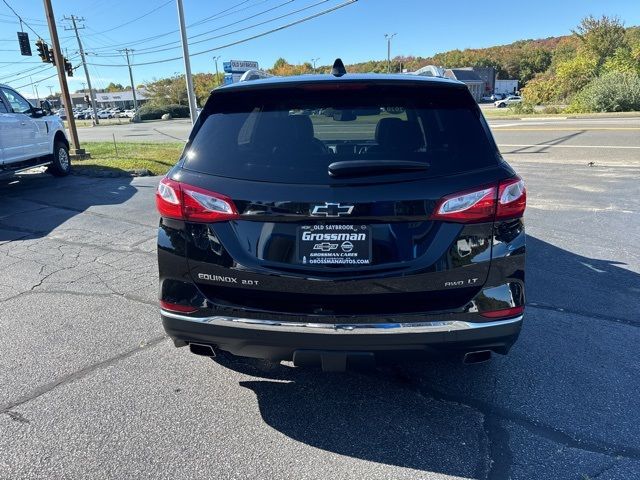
column 137, row 18
column 22, row 74
column 20, row 63
column 221, row 14
column 36, row 20
column 144, row 51
column 43, row 79
column 248, row 27
column 21, row 19
column 253, row 37
column 41, row 67
column 16, row 75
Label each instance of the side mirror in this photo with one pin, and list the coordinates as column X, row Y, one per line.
column 45, row 105
column 38, row 112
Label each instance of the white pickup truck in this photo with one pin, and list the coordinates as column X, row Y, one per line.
column 30, row 136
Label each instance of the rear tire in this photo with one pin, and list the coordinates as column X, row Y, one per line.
column 61, row 163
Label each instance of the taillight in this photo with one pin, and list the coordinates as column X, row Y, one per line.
column 484, row 204
column 512, row 198
column 169, row 199
column 468, row 206
column 186, row 202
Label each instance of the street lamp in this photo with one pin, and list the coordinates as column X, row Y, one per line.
column 215, row 59
column 389, row 37
column 314, row 60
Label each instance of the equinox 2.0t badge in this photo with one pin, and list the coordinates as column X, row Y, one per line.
column 331, row 210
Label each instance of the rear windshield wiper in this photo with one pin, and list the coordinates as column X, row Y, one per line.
column 353, row 168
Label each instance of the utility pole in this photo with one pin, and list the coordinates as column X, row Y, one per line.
column 215, row 59
column 55, row 45
column 92, row 100
column 34, row 89
column 133, row 86
column 187, row 64
column 314, row 60
column 389, row 37
column 50, row 87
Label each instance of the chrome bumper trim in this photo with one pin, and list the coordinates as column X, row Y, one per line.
column 342, row 328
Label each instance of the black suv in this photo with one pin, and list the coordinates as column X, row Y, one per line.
column 337, row 218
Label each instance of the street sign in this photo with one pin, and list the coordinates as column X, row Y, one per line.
column 239, row 66
column 25, row 47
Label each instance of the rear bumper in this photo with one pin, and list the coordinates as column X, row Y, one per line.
column 278, row 340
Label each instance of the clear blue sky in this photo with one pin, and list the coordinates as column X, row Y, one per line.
column 355, row 33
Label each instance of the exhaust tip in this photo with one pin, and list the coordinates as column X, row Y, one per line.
column 480, row 356
column 201, row 349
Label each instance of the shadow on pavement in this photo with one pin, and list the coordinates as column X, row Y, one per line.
column 442, row 416
column 543, row 147
column 34, row 204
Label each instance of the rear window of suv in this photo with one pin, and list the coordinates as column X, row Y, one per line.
column 292, row 134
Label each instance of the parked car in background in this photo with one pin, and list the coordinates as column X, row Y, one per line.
column 129, row 113
column 30, row 136
column 105, row 114
column 510, row 100
column 497, row 96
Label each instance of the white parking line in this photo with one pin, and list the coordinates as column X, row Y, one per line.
column 543, row 145
column 503, row 125
column 593, row 268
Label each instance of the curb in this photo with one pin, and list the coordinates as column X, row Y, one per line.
column 98, row 172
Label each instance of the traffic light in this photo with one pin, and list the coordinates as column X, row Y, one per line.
column 25, row 46
column 43, row 50
column 68, row 67
column 51, row 58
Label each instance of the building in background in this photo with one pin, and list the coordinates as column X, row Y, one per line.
column 481, row 81
column 122, row 99
column 471, row 79
column 488, row 75
column 506, row 87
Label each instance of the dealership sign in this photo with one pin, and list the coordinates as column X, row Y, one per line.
column 239, row 66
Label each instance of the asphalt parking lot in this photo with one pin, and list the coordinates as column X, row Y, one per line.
column 91, row 387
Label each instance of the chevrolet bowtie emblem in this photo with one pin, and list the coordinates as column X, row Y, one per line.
column 331, row 210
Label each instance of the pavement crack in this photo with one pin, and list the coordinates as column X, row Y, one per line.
column 604, row 469
column 582, row 313
column 494, row 415
column 77, row 375
column 17, row 416
column 84, row 294
column 494, row 455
